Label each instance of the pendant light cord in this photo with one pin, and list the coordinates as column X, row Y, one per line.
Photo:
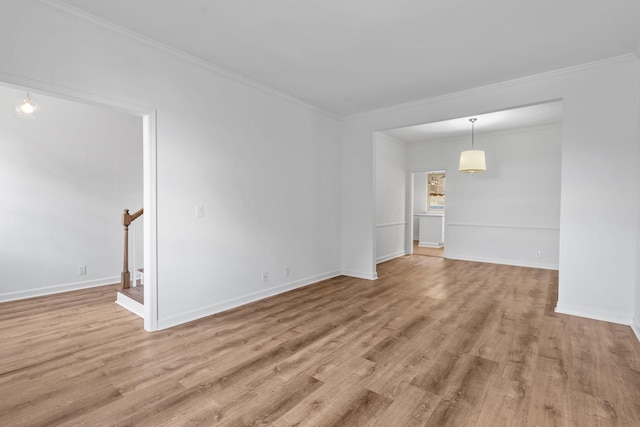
column 473, row 124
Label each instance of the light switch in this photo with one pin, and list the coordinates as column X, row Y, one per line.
column 199, row 211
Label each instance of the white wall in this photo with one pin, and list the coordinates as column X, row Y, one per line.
column 419, row 188
column 65, row 178
column 510, row 212
column 266, row 169
column 419, row 200
column 391, row 197
column 599, row 134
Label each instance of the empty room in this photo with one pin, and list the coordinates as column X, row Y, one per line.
column 235, row 213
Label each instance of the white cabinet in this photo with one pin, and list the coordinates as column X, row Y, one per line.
column 431, row 231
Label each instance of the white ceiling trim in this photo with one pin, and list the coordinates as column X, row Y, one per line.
column 440, row 98
column 85, row 16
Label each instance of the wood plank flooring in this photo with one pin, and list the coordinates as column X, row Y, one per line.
column 419, row 250
column 433, row 342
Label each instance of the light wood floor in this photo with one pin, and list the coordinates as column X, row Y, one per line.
column 418, row 250
column 432, row 342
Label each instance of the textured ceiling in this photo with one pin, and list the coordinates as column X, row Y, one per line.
column 358, row 55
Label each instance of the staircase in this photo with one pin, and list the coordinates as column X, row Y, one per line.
column 131, row 294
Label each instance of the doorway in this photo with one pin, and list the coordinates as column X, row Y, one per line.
column 67, row 179
column 428, row 208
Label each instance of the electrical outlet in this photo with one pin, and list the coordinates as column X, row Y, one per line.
column 265, row 276
column 82, row 270
column 287, row 272
column 199, row 211
column 538, row 254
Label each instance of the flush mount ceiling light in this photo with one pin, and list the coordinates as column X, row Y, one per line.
column 27, row 108
column 472, row 161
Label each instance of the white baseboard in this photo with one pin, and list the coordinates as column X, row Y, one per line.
column 360, row 275
column 178, row 319
column 130, row 304
column 56, row 289
column 594, row 314
column 390, row 257
column 516, row 263
column 430, row 245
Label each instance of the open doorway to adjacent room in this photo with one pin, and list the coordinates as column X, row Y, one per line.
column 66, row 175
column 428, row 210
column 507, row 214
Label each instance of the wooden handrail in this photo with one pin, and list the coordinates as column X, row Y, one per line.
column 127, row 219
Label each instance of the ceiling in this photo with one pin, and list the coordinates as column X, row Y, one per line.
column 353, row 56
column 533, row 115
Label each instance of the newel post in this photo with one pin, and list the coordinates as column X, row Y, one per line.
column 125, row 277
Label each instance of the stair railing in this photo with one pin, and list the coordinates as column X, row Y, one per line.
column 127, row 219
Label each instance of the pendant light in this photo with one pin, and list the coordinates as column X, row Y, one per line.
column 27, row 108
column 472, row 161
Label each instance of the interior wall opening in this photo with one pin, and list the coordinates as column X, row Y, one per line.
column 428, row 209
column 67, row 176
column 509, row 214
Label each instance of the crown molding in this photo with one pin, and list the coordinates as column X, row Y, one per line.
column 115, row 28
column 468, row 92
column 87, row 17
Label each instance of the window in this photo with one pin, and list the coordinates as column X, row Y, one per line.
column 436, row 191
